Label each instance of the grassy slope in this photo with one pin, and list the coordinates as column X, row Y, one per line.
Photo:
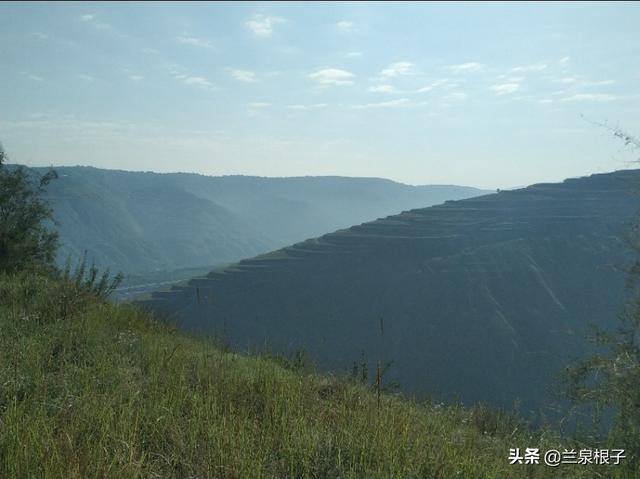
column 96, row 390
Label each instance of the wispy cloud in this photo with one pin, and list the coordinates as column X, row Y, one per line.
column 564, row 60
column 469, row 67
column 433, row 85
column 383, row 89
column 578, row 81
column 196, row 81
column 35, row 78
column 597, row 97
column 85, row 77
column 538, row 67
column 91, row 19
column 456, row 96
column 397, row 69
column 194, row 41
column 245, row 76
column 185, row 76
column 354, row 54
column 136, row 77
column 345, row 26
column 263, row 25
column 40, row 35
column 601, row 82
column 505, row 88
column 332, row 76
column 254, row 109
column 314, row 106
column 383, row 104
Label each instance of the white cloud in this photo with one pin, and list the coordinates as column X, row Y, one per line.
column 332, row 76
column 354, row 54
column 505, row 88
column 198, row 81
column 603, row 82
column 254, row 109
column 538, row 67
column 383, row 104
column 345, row 26
column 469, row 67
column 574, row 81
column 564, row 60
column 599, row 97
column 84, row 77
column 191, row 80
column 35, row 78
column 136, row 77
column 433, row 85
column 397, row 69
column 263, row 25
column 314, row 106
column 40, row 35
column 96, row 24
column 196, row 42
column 456, row 96
column 148, row 51
column 242, row 75
column 382, row 89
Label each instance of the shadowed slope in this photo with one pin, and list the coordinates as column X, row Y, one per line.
column 481, row 299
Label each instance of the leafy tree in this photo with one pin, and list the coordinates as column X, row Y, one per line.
column 609, row 379
column 25, row 241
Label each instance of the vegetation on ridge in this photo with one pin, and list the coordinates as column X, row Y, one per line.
column 91, row 389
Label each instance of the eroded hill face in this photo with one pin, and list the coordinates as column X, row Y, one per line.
column 141, row 222
column 482, row 299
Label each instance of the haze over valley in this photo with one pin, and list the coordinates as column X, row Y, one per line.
column 144, row 222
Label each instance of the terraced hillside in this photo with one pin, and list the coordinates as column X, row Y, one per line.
column 139, row 222
column 483, row 299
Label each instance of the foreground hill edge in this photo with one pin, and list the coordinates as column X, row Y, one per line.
column 99, row 390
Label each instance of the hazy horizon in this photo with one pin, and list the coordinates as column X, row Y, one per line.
column 491, row 95
column 178, row 172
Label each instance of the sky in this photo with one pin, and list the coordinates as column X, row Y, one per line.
column 493, row 95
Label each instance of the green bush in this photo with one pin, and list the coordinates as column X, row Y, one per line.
column 25, row 241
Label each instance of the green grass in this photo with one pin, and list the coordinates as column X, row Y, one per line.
column 89, row 389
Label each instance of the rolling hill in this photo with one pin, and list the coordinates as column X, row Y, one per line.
column 482, row 299
column 146, row 222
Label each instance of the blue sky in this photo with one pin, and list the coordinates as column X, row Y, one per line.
column 490, row 95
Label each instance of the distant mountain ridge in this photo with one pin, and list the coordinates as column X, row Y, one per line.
column 482, row 299
column 142, row 221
